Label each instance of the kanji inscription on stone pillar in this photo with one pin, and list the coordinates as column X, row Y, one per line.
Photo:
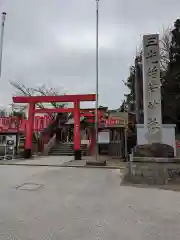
column 152, row 88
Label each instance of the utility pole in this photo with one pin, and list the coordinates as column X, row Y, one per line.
column 97, row 77
column 2, row 36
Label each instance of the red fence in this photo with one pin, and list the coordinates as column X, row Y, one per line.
column 13, row 124
column 10, row 124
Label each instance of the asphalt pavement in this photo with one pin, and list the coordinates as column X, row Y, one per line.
column 54, row 203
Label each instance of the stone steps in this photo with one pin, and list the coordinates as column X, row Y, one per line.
column 66, row 149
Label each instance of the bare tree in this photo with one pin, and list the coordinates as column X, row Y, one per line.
column 165, row 44
column 43, row 90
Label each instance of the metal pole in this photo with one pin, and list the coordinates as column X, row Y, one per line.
column 97, row 76
column 2, row 36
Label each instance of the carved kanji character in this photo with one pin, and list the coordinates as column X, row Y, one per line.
column 152, row 41
column 152, row 72
column 153, row 125
column 151, row 54
column 152, row 104
column 152, row 87
column 152, row 122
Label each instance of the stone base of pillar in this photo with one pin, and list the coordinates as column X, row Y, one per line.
column 77, row 155
column 27, row 153
column 168, row 135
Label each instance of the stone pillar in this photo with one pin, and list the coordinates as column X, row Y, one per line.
column 152, row 88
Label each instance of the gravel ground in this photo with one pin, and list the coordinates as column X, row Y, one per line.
column 39, row 203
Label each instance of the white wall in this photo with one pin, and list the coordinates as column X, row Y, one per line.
column 104, row 136
column 168, row 135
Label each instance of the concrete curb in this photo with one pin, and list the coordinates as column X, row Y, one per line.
column 60, row 166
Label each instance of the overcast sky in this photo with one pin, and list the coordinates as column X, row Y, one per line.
column 53, row 42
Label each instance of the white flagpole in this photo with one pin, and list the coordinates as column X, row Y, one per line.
column 2, row 36
column 97, row 76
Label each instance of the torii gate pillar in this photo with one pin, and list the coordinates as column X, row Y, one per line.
column 29, row 131
column 77, row 133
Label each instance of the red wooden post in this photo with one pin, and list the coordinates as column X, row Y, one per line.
column 77, row 137
column 29, row 131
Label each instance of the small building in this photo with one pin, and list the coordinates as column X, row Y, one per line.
column 111, row 136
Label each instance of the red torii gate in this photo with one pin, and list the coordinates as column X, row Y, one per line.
column 33, row 100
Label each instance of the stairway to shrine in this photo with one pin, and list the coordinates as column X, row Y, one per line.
column 66, row 149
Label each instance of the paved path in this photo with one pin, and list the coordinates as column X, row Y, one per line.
column 40, row 161
column 66, row 161
column 44, row 203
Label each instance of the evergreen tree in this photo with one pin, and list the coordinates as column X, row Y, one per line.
column 171, row 86
column 130, row 97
